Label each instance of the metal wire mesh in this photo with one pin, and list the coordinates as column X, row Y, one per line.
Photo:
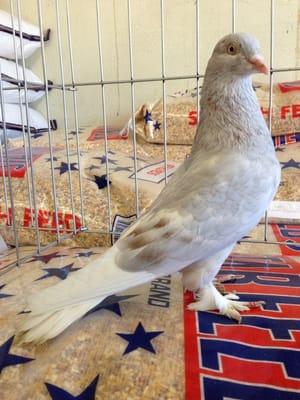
column 72, row 87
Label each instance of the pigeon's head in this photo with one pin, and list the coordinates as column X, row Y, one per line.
column 237, row 55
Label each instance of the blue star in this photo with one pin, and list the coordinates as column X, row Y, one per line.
column 24, row 312
column 61, row 273
column 57, row 393
column 111, row 303
column 256, row 87
column 147, row 116
column 7, row 359
column 53, row 159
column 101, row 181
column 244, row 237
column 3, row 295
column 157, row 125
column 64, row 167
column 86, row 254
column 45, row 258
column 103, row 160
column 118, row 169
column 139, row 338
column 290, row 164
column 93, row 167
column 138, row 159
column 74, row 132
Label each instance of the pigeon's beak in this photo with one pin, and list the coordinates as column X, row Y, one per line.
column 259, row 64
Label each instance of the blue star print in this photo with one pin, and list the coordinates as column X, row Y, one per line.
column 45, row 258
column 118, row 169
column 74, row 133
column 147, row 117
column 64, row 167
column 139, row 338
column 157, row 125
column 93, row 167
column 61, row 273
column 103, row 160
column 244, row 237
column 111, row 303
column 53, row 159
column 290, row 164
column 57, row 393
column 3, row 295
column 7, row 359
column 86, row 254
column 101, row 181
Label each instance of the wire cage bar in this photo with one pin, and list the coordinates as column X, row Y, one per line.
column 72, row 86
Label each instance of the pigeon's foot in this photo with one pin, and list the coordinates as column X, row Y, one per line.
column 209, row 299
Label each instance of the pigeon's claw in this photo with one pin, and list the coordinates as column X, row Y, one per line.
column 225, row 278
column 220, row 279
column 209, row 299
column 233, row 308
column 220, row 288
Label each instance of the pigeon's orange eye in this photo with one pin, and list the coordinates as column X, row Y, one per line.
column 231, row 50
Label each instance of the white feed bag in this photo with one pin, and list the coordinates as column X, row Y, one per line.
column 12, row 75
column 13, row 120
column 31, row 37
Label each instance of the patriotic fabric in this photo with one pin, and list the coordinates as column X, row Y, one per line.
column 282, row 140
column 260, row 357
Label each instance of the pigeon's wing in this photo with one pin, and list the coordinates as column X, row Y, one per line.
column 210, row 203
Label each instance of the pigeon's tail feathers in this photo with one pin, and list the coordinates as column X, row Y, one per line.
column 52, row 310
column 39, row 328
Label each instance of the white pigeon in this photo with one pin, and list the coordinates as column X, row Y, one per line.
column 215, row 198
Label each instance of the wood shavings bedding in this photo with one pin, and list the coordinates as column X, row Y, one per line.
column 181, row 110
column 289, row 157
column 122, row 187
column 94, row 181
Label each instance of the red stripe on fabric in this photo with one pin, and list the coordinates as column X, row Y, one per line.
column 192, row 372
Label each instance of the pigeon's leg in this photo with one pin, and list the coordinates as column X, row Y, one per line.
column 201, row 273
column 199, row 278
column 210, row 299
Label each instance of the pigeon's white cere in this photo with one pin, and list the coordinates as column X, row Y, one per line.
column 215, row 198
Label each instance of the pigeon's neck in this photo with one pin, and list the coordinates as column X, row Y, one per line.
column 230, row 115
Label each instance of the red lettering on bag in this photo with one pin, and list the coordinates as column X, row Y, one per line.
column 192, row 116
column 47, row 219
column 296, row 110
column 290, row 138
column 43, row 218
column 7, row 219
column 68, row 218
column 284, row 111
column 159, row 170
column 27, row 217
